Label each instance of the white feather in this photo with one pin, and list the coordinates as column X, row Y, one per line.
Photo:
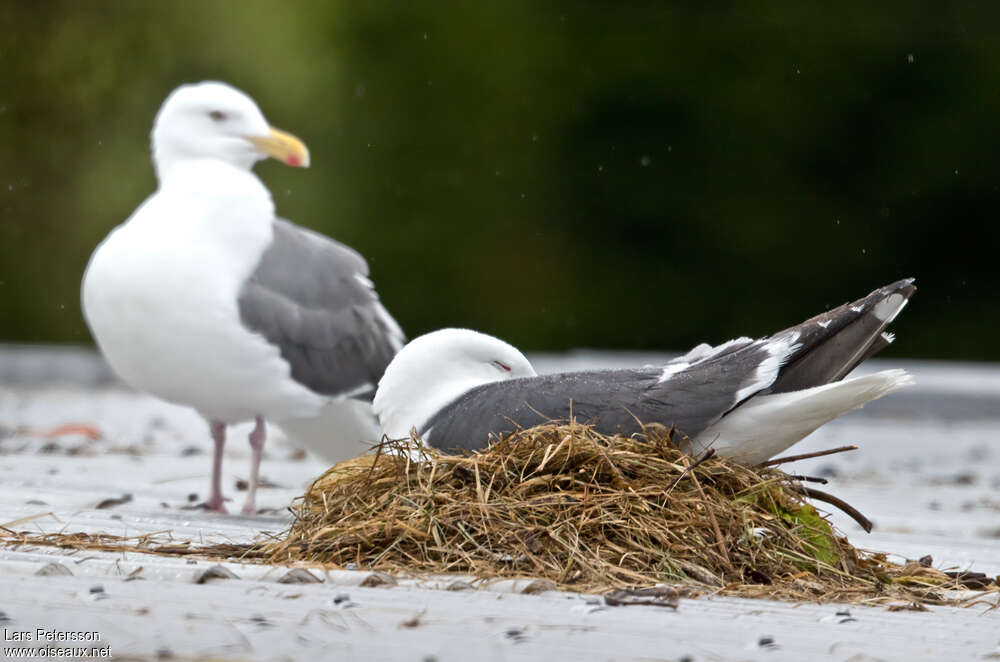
column 766, row 425
column 779, row 348
column 350, row 421
column 672, row 368
column 698, row 353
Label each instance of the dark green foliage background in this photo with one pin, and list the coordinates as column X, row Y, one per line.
column 561, row 174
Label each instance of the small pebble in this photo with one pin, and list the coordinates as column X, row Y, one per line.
column 54, row 569
column 343, row 601
column 965, row 478
column 299, row 576
column 844, row 616
column 516, row 634
column 215, row 572
column 260, row 621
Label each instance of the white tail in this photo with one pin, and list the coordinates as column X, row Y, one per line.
column 345, row 428
column 765, row 425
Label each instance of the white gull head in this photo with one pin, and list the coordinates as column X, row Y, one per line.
column 213, row 120
column 435, row 369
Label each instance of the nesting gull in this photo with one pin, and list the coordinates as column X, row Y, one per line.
column 747, row 399
column 205, row 298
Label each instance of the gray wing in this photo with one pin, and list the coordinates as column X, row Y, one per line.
column 691, row 392
column 613, row 400
column 311, row 296
column 828, row 346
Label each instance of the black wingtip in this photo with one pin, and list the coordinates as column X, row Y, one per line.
column 833, row 343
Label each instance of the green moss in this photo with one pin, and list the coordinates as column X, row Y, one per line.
column 816, row 532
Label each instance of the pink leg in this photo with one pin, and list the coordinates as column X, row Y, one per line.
column 257, row 437
column 215, row 501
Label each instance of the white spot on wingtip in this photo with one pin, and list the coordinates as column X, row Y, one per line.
column 887, row 309
column 888, row 337
column 824, row 324
column 857, row 309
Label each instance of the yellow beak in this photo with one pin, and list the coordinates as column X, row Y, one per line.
column 284, row 147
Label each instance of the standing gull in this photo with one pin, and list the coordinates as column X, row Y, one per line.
column 747, row 399
column 205, row 298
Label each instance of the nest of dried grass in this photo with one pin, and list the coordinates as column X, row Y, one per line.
column 590, row 512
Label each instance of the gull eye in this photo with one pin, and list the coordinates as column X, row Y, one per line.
column 217, row 115
column 502, row 366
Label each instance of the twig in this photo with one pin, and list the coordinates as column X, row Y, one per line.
column 806, row 456
column 708, row 455
column 24, row 520
column 378, row 454
column 810, row 479
column 865, row 523
column 657, row 596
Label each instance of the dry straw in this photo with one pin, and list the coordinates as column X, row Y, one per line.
column 586, row 511
column 590, row 512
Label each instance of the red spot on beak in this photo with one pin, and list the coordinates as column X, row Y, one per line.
column 293, row 161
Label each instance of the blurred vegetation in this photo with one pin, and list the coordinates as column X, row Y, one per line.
column 561, row 174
